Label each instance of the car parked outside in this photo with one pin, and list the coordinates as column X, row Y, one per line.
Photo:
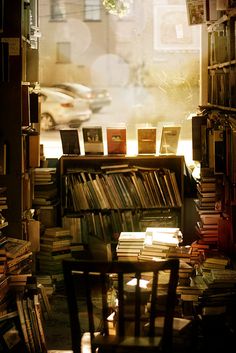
column 96, row 97
column 58, row 108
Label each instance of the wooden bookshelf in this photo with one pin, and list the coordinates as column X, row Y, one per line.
column 19, row 75
column 222, row 60
column 125, row 207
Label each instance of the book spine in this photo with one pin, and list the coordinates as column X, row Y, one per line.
column 22, row 322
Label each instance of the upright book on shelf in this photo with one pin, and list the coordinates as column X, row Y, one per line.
column 169, row 139
column 146, row 140
column 70, row 141
column 116, row 140
column 93, row 140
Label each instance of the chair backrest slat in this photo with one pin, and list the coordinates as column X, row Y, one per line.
column 138, row 307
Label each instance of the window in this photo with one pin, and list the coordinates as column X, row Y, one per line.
column 63, row 52
column 92, row 11
column 57, row 9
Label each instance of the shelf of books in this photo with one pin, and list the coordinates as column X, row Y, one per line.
column 214, row 147
column 222, row 59
column 104, row 195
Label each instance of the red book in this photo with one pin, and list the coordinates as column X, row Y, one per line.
column 116, row 140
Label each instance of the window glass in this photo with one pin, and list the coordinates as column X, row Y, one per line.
column 63, row 52
column 147, row 62
column 92, row 10
column 57, row 10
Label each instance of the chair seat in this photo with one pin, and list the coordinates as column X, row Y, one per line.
column 127, row 342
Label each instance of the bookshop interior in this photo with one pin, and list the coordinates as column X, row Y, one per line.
column 117, row 176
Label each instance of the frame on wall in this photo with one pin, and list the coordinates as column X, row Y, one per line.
column 171, row 29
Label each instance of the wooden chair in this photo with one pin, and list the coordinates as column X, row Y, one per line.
column 134, row 323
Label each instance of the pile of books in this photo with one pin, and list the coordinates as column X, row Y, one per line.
column 209, row 208
column 158, row 242
column 129, row 245
column 45, row 188
column 54, row 247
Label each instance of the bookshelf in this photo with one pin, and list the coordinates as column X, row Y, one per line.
column 213, row 129
column 19, row 74
column 126, row 213
column 222, row 60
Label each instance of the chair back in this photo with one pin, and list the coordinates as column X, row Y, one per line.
column 135, row 292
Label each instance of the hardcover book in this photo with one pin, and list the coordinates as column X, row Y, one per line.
column 70, row 141
column 116, row 140
column 93, row 140
column 146, row 140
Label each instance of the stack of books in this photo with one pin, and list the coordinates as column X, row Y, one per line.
column 55, row 245
column 129, row 245
column 19, row 256
column 220, row 295
column 209, row 208
column 158, row 242
column 45, row 188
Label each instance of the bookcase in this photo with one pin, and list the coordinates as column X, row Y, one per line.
column 222, row 60
column 213, row 129
column 109, row 219
column 19, row 108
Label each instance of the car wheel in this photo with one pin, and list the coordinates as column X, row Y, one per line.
column 47, row 122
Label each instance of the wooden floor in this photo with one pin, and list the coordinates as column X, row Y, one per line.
column 210, row 336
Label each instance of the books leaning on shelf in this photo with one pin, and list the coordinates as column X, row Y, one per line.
column 116, row 140
column 146, row 140
column 93, row 140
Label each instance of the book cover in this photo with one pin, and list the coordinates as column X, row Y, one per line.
column 70, row 141
column 16, row 247
column 93, row 140
column 56, row 232
column 116, row 140
column 169, row 139
column 146, row 140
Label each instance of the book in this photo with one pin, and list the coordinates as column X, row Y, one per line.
column 116, row 140
column 93, row 140
column 16, row 247
column 169, row 139
column 70, row 141
column 199, row 151
column 20, row 309
column 146, row 140
column 56, row 232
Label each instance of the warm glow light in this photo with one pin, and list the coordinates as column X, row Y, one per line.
column 142, row 283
